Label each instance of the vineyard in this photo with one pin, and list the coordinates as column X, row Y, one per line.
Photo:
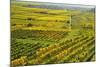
column 78, row 49
column 41, row 34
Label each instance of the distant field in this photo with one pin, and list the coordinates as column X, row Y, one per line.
column 43, row 35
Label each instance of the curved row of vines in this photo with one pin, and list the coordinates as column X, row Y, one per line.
column 80, row 48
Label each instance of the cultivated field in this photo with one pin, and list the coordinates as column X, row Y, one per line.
column 41, row 34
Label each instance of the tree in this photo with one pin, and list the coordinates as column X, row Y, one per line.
column 29, row 25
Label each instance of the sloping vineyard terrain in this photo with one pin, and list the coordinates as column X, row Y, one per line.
column 43, row 35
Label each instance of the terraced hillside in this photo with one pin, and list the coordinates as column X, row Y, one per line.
column 43, row 35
